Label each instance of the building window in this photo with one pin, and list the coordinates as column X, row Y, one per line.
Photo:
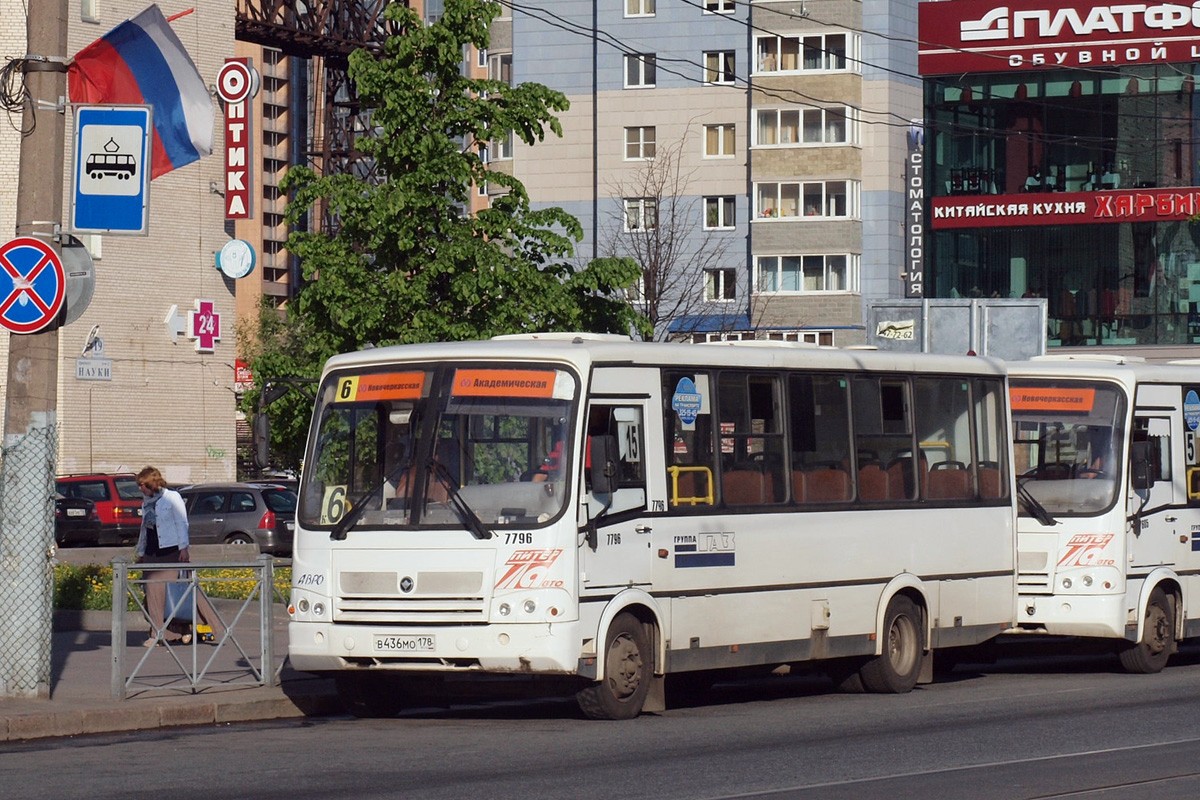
column 639, row 143
column 718, row 212
column 718, row 68
column 502, row 149
column 481, row 57
column 641, row 214
column 639, row 8
column 718, row 141
column 639, row 71
column 718, row 6
column 807, row 273
column 785, row 127
column 723, row 336
column 811, row 200
column 720, row 284
column 500, row 68
column 818, row 53
column 824, row 338
column 637, row 292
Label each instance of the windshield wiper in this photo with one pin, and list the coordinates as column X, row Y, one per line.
column 1033, row 505
column 359, row 505
column 463, row 511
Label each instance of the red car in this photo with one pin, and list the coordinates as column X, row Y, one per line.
column 118, row 502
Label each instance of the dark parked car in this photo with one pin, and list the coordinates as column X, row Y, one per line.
column 76, row 522
column 228, row 513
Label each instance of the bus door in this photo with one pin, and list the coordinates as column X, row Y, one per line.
column 1153, row 513
column 615, row 540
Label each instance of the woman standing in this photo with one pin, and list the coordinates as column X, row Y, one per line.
column 163, row 539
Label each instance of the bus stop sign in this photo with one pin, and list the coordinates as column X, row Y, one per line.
column 110, row 177
column 32, row 285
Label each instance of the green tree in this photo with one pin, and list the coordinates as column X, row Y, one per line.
column 399, row 261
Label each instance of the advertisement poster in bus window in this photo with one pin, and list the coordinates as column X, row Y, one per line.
column 686, row 402
column 1191, row 409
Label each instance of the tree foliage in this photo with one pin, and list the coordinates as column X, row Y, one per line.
column 399, row 260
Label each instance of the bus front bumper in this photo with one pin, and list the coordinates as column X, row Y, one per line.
column 538, row 648
column 1072, row 615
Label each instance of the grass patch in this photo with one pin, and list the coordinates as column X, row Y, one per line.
column 89, row 587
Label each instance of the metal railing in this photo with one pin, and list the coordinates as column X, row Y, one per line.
column 229, row 662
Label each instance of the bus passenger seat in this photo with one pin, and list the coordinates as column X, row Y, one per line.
column 827, row 485
column 799, row 490
column 949, row 480
column 989, row 481
column 872, row 482
column 744, row 487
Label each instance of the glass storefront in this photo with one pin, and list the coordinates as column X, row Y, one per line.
column 1070, row 131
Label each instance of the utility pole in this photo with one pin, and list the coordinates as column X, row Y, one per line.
column 31, row 400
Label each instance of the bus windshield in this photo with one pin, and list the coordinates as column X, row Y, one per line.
column 1068, row 439
column 425, row 445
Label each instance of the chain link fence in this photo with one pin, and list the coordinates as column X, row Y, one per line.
column 26, row 568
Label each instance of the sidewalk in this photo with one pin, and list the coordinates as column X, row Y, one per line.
column 81, row 700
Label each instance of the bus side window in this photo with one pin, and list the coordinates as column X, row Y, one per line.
column 688, row 428
column 622, row 426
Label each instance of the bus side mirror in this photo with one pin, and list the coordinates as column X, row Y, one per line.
column 1141, row 476
column 602, row 469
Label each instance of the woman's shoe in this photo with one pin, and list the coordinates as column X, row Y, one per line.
column 151, row 642
column 185, row 639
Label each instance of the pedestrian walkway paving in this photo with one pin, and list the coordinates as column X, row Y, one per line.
column 81, row 698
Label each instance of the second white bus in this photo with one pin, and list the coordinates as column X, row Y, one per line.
column 1109, row 527
column 631, row 516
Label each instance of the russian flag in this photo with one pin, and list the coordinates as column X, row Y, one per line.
column 142, row 62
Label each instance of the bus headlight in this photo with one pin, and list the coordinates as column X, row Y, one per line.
column 504, row 609
column 1087, row 580
column 1067, row 583
column 529, row 606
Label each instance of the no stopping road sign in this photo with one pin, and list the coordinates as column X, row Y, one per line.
column 32, row 285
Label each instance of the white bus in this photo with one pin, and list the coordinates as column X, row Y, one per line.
column 1108, row 533
column 611, row 513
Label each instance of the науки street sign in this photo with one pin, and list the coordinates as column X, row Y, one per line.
column 110, row 176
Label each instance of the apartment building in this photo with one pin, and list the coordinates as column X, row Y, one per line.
column 749, row 155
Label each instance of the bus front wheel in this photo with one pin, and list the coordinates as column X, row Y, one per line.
column 896, row 669
column 628, row 671
column 1158, row 637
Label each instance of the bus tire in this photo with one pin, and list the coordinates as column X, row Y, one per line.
column 369, row 696
column 1158, row 637
column 628, row 671
column 896, row 669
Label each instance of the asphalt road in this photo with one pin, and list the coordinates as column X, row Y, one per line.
column 1038, row 726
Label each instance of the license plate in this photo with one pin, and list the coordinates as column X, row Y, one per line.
column 76, row 512
column 404, row 644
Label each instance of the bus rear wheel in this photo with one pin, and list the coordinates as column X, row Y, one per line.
column 628, row 671
column 1158, row 637
column 896, row 669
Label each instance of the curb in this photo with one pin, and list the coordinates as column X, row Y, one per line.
column 181, row 711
